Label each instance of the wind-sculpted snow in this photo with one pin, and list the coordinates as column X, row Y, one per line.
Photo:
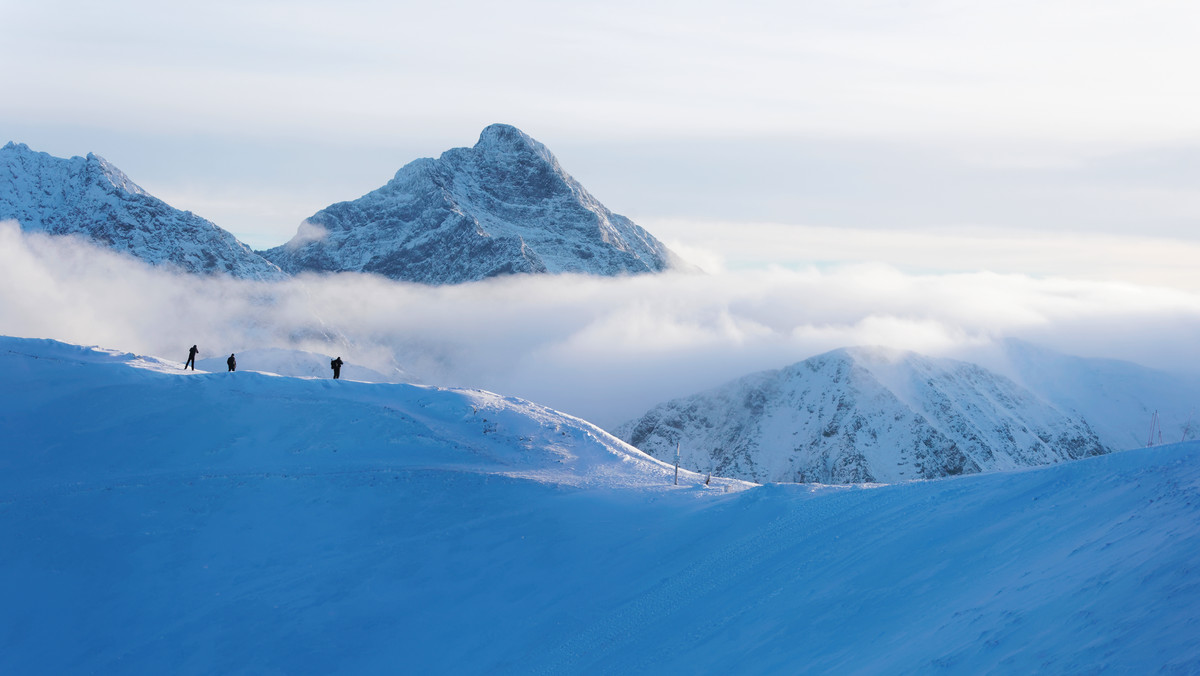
column 862, row 415
column 158, row 522
column 504, row 206
column 89, row 197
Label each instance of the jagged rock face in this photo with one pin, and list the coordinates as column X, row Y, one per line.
column 504, row 206
column 88, row 196
column 863, row 415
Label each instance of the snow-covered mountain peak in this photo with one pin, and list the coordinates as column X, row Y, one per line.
column 878, row 354
column 509, row 165
column 505, row 139
column 90, row 196
column 863, row 414
column 863, row 356
column 503, row 206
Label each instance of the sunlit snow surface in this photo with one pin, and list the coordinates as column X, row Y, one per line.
column 153, row 521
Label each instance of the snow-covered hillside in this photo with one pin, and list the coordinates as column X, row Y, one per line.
column 250, row 419
column 1128, row 405
column 161, row 522
column 89, row 197
column 863, row 415
column 504, row 206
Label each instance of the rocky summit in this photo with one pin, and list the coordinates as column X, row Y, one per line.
column 89, row 197
column 502, row 207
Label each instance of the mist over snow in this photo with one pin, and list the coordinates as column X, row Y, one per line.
column 603, row 349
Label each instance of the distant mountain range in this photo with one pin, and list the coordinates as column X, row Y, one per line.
column 875, row 415
column 89, row 197
column 502, row 207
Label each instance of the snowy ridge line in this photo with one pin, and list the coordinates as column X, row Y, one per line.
column 269, row 419
column 552, row 423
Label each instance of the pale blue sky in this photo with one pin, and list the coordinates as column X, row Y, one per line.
column 1080, row 118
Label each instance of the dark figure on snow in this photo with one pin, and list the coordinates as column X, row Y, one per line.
column 191, row 358
column 336, row 365
column 232, row 363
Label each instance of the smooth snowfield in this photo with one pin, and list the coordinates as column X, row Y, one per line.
column 161, row 522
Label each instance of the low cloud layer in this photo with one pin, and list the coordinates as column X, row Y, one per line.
column 603, row 349
column 1143, row 260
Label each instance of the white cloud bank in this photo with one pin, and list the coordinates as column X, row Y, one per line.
column 604, row 349
column 1155, row 261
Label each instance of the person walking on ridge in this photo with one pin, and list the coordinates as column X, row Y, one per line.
column 336, row 365
column 232, row 363
column 191, row 358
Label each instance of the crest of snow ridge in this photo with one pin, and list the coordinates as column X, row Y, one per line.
column 503, row 206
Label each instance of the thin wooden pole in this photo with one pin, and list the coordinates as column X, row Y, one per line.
column 676, row 464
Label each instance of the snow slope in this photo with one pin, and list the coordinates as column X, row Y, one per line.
column 863, row 415
column 262, row 418
column 504, row 206
column 161, row 522
column 87, row 196
column 1119, row 399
